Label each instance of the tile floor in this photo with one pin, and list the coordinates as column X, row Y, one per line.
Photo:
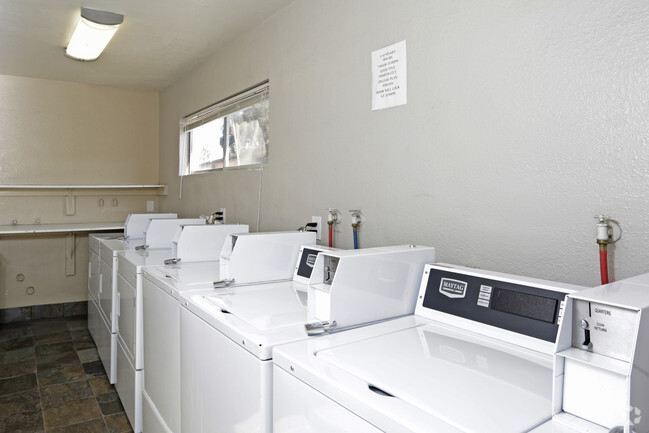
column 51, row 380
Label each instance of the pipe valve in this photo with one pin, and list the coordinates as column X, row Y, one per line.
column 604, row 230
column 334, row 216
column 357, row 219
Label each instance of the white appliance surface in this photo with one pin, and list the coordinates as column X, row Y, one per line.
column 447, row 373
column 313, row 411
column 94, row 260
column 255, row 317
column 185, row 275
column 136, row 224
column 129, row 329
column 160, row 288
column 160, row 231
column 230, row 324
column 105, row 294
column 237, row 327
column 417, row 374
column 108, row 250
column 192, row 243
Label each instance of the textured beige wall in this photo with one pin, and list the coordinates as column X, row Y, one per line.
column 524, row 120
column 59, row 133
column 55, row 132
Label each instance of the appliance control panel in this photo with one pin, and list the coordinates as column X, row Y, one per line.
column 533, row 310
column 605, row 329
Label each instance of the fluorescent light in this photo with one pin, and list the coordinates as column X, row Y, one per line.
column 94, row 30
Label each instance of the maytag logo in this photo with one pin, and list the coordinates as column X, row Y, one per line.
column 310, row 260
column 452, row 288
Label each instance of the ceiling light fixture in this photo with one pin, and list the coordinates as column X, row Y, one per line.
column 94, row 30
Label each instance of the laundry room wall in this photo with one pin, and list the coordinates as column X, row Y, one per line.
column 61, row 133
column 524, row 120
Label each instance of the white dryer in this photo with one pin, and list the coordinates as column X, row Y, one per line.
column 101, row 270
column 477, row 357
column 97, row 323
column 162, row 287
column 128, row 306
column 227, row 338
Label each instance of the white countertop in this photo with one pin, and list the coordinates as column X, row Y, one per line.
column 59, row 228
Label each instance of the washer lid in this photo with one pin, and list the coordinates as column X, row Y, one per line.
column 472, row 383
column 265, row 307
column 141, row 258
column 191, row 273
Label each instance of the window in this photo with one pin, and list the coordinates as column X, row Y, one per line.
column 230, row 133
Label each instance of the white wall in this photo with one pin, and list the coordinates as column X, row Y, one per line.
column 56, row 132
column 524, row 120
column 60, row 133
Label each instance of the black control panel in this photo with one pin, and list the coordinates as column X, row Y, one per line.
column 519, row 308
column 307, row 260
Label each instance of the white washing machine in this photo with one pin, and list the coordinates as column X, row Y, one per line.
column 477, row 357
column 100, row 276
column 128, row 304
column 162, row 287
column 227, row 338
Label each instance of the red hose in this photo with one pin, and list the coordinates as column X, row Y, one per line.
column 331, row 236
column 603, row 265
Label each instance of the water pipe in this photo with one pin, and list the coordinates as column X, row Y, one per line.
column 605, row 237
column 603, row 264
column 334, row 216
column 356, row 222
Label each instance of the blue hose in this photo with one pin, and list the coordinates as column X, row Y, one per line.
column 355, row 239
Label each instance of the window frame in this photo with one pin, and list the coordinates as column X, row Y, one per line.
column 226, row 109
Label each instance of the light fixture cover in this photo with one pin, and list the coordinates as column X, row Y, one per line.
column 94, row 30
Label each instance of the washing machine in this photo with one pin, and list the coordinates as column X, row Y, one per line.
column 240, row 246
column 601, row 382
column 227, row 337
column 477, row 356
column 100, row 320
column 160, row 231
column 162, row 287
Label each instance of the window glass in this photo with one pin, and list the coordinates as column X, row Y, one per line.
column 243, row 119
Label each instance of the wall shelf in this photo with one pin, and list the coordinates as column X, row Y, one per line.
column 26, row 229
column 80, row 190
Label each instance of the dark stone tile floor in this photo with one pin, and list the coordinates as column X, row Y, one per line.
column 52, row 381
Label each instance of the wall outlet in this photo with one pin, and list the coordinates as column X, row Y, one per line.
column 318, row 220
column 150, row 205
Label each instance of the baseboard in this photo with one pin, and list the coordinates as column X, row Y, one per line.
column 48, row 311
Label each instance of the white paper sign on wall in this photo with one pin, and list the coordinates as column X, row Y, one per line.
column 389, row 76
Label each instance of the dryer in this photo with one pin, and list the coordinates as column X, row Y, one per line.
column 162, row 288
column 227, row 337
column 95, row 321
column 100, row 275
column 477, row 356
